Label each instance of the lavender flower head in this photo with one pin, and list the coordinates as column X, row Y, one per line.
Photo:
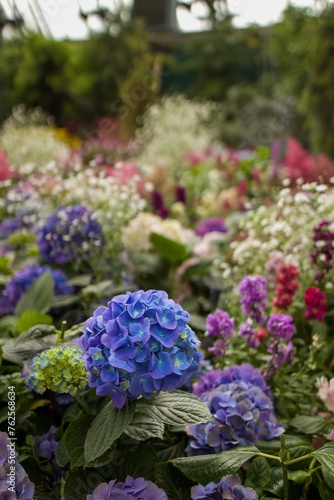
column 13, row 486
column 46, row 445
column 69, row 234
column 219, row 323
column 133, row 489
column 25, row 277
column 243, row 413
column 246, row 330
column 138, row 345
column 229, row 487
column 280, row 325
column 253, row 297
column 212, row 224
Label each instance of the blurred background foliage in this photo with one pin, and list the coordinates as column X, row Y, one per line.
column 268, row 82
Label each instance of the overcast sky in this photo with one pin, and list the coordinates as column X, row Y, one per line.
column 63, row 20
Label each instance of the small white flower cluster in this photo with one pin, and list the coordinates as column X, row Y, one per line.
column 286, row 227
column 171, row 129
column 31, row 147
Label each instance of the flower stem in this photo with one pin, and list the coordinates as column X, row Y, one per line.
column 61, row 332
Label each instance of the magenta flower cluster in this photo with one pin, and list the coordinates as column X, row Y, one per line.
column 242, row 405
column 23, row 280
column 133, row 489
column 69, row 234
column 138, row 345
column 253, row 297
column 229, row 487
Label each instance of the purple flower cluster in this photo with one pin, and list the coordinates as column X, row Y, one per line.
column 253, row 297
column 69, row 234
column 46, row 447
column 23, row 280
column 242, row 406
column 212, row 224
column 219, row 324
column 229, row 487
column 249, row 332
column 323, row 253
column 133, row 489
column 280, row 346
column 137, row 345
column 14, row 481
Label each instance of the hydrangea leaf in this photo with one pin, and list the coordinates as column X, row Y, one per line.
column 75, row 436
column 311, row 425
column 109, row 424
column 258, row 473
column 206, row 468
column 325, row 492
column 143, row 427
column 80, row 482
column 176, row 408
column 32, row 318
column 173, row 482
column 171, row 250
column 325, row 456
column 62, row 456
column 38, row 297
column 328, row 476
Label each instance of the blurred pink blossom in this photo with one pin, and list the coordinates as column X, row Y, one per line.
column 326, row 392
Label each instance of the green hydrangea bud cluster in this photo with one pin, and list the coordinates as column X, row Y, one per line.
column 60, row 369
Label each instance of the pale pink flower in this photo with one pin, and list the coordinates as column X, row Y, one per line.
column 326, row 391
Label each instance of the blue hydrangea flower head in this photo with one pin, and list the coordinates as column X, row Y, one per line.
column 242, row 406
column 60, row 369
column 133, row 489
column 25, row 277
column 70, row 234
column 139, row 345
column 229, row 487
column 24, row 488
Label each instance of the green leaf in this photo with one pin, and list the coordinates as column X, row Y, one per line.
column 36, row 332
column 65, row 300
column 299, row 476
column 328, row 476
column 173, row 482
column 206, row 468
column 8, row 321
column 325, row 492
column 171, row 250
column 62, row 457
column 136, row 459
column 38, row 297
column 32, row 318
column 75, row 436
column 168, row 452
column 259, row 472
column 197, row 322
column 81, row 482
column 143, row 427
column 325, row 456
column 311, row 425
column 109, row 424
column 176, row 408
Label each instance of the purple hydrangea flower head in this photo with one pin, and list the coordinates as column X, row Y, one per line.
column 9, row 225
column 212, row 224
column 246, row 330
column 21, row 488
column 214, row 378
column 25, row 277
column 280, row 325
column 219, row 323
column 243, row 412
column 253, row 297
column 138, row 345
column 69, row 234
column 229, row 487
column 133, row 489
column 24, row 206
column 46, row 445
